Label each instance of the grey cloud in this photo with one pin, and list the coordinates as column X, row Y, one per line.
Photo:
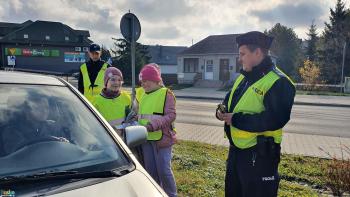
column 104, row 22
column 293, row 15
column 19, row 15
column 102, row 25
column 168, row 32
column 153, row 10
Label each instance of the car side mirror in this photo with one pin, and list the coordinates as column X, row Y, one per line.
column 135, row 135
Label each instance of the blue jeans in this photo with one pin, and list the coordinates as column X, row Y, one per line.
column 157, row 163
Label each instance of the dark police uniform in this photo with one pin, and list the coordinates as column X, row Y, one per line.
column 90, row 82
column 261, row 101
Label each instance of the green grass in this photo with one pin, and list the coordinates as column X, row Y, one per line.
column 200, row 170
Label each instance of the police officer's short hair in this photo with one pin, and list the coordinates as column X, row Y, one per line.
column 253, row 47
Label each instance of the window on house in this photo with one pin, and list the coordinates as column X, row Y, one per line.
column 47, row 37
column 191, row 65
column 25, row 36
column 66, row 38
column 209, row 66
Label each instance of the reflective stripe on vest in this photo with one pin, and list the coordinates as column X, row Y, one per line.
column 252, row 102
column 113, row 110
column 91, row 91
column 152, row 106
column 148, row 116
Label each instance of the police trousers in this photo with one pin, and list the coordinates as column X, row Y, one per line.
column 252, row 172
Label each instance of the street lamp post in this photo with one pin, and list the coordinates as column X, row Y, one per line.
column 342, row 67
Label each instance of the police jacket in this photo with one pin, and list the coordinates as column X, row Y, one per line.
column 278, row 101
column 93, row 69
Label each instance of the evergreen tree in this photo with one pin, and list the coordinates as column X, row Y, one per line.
column 287, row 47
column 122, row 57
column 105, row 54
column 330, row 52
column 311, row 42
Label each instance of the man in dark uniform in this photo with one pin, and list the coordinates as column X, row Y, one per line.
column 91, row 74
column 257, row 108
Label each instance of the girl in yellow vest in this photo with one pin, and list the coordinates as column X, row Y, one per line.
column 113, row 103
column 140, row 91
column 157, row 113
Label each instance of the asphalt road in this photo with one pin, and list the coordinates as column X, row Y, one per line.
column 317, row 120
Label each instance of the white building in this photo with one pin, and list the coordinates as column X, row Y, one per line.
column 166, row 58
column 213, row 59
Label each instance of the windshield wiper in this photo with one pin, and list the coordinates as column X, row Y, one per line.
column 63, row 175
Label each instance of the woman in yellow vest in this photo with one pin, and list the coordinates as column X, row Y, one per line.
column 113, row 103
column 157, row 113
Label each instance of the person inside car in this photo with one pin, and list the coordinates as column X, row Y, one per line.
column 29, row 123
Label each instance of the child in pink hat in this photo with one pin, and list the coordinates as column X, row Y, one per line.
column 157, row 113
column 140, row 91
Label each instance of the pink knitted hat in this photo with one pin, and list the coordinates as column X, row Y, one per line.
column 151, row 73
column 111, row 71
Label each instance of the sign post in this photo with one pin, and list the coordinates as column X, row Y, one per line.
column 131, row 29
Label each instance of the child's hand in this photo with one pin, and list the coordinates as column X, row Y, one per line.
column 149, row 127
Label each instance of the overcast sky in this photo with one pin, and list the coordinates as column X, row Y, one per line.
column 172, row 22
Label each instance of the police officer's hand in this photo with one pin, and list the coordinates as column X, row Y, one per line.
column 227, row 117
column 219, row 115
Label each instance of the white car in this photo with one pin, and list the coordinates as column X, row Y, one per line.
column 53, row 142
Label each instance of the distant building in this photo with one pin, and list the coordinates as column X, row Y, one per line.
column 43, row 46
column 213, row 59
column 166, row 58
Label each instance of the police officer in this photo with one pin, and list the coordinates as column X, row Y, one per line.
column 91, row 76
column 257, row 108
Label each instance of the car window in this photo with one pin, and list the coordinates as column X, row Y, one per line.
column 45, row 128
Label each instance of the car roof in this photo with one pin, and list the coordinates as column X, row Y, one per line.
column 28, row 78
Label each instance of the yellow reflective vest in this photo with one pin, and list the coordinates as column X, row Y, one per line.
column 113, row 110
column 151, row 105
column 139, row 93
column 91, row 90
column 252, row 102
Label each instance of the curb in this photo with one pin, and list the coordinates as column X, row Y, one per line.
column 295, row 103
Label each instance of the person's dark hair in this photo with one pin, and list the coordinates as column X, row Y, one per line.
column 253, row 47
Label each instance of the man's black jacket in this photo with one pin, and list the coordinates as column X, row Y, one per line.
column 93, row 68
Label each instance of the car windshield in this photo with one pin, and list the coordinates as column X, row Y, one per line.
column 48, row 128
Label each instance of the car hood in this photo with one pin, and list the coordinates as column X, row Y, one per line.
column 134, row 183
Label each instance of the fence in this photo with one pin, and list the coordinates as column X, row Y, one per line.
column 347, row 85
column 320, row 87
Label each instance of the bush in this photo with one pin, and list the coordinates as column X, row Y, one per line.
column 338, row 174
column 310, row 74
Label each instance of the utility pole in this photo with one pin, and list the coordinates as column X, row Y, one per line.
column 342, row 67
